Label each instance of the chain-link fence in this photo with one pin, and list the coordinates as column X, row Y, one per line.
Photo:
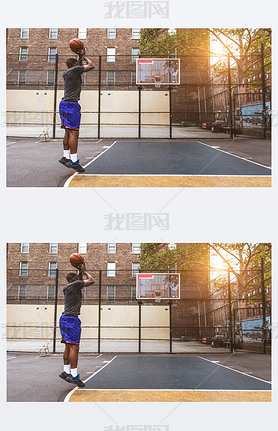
column 113, row 319
column 210, row 102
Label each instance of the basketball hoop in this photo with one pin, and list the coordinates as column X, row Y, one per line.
column 157, row 81
column 157, row 295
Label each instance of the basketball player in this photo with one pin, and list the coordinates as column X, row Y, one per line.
column 70, row 110
column 70, row 324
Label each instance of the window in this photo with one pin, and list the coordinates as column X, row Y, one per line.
column 111, row 33
column 53, row 33
column 22, row 291
column 254, row 77
column 50, row 77
column 135, row 269
column 52, row 54
column 51, row 292
column 52, row 266
column 112, row 248
column 25, row 247
column 24, row 33
column 135, row 54
column 23, row 53
column 23, row 269
column 261, row 308
column 111, row 76
column 133, row 293
column 82, row 33
column 136, row 33
column 53, row 249
column 254, row 292
column 248, row 312
column 136, row 248
column 111, row 55
column 111, row 293
column 82, row 248
column 111, row 269
column 133, row 78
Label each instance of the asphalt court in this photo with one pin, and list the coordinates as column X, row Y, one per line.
column 167, row 378
column 150, row 163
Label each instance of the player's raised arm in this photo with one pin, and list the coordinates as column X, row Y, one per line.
column 90, row 280
column 89, row 65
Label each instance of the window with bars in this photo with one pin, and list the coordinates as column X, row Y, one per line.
column 23, row 269
column 23, row 53
column 25, row 247
column 22, row 291
column 136, row 248
column 133, row 293
column 111, row 33
column 53, row 248
column 111, row 269
column 135, row 269
column 111, row 78
column 133, row 78
column 112, row 248
column 82, row 248
column 111, row 293
column 50, row 78
column 24, row 34
column 136, row 33
column 52, row 54
column 51, row 292
column 111, row 55
column 52, row 266
column 53, row 33
column 135, row 54
column 82, row 33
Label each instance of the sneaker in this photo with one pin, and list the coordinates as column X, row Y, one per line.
column 64, row 161
column 75, row 380
column 64, row 375
column 75, row 166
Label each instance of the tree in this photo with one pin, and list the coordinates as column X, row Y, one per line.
column 240, row 43
column 244, row 262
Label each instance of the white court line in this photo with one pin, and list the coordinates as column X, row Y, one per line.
column 240, row 372
column 87, row 164
column 234, row 155
column 66, row 400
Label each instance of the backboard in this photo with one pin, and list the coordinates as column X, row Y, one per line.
column 162, row 71
column 162, row 285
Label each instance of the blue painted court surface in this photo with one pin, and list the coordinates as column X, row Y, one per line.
column 148, row 157
column 171, row 372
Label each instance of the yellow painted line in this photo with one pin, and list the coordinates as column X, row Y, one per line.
column 93, row 395
column 91, row 180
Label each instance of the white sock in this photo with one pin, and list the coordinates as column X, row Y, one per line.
column 67, row 369
column 73, row 157
column 74, row 372
column 67, row 154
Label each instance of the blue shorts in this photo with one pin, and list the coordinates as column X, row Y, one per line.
column 70, row 327
column 70, row 114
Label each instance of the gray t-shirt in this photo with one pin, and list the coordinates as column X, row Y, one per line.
column 73, row 297
column 72, row 83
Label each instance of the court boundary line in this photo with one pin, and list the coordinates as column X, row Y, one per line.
column 240, row 372
column 66, row 400
column 176, row 390
column 234, row 155
column 87, row 164
column 171, row 175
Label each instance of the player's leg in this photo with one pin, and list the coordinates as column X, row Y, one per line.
column 63, row 330
column 73, row 145
column 73, row 359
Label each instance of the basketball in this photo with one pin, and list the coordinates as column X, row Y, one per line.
column 76, row 45
column 76, row 259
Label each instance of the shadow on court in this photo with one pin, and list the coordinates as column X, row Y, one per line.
column 32, row 378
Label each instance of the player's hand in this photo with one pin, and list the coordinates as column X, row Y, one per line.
column 82, row 53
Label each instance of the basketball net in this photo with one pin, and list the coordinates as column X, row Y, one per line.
column 157, row 296
column 157, row 81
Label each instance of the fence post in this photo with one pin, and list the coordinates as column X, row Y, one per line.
column 139, row 326
column 99, row 311
column 55, row 97
column 230, row 98
column 99, row 96
column 170, row 112
column 230, row 312
column 263, row 305
column 171, row 327
column 139, row 111
column 263, row 91
column 55, row 310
